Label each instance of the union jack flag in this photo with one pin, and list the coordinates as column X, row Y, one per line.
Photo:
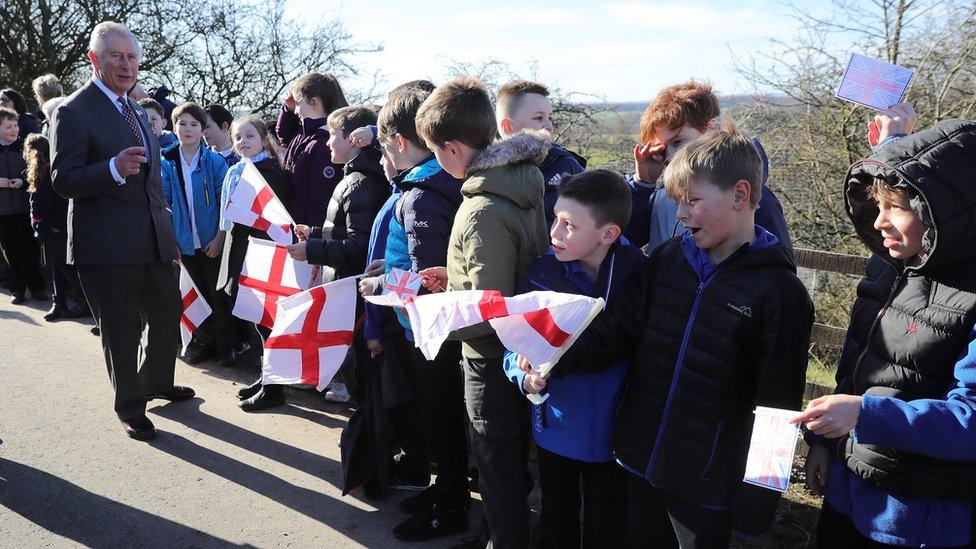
column 771, row 449
column 405, row 284
column 873, row 83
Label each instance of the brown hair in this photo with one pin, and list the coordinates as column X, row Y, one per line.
column 413, row 85
column 510, row 95
column 605, row 194
column 37, row 154
column 324, row 87
column 262, row 128
column 150, row 103
column 348, row 119
column 882, row 190
column 459, row 110
column 8, row 114
column 399, row 116
column 46, row 87
column 691, row 103
column 192, row 109
column 721, row 157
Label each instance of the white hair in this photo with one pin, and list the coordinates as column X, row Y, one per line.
column 103, row 30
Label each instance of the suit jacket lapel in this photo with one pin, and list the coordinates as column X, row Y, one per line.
column 104, row 110
column 151, row 144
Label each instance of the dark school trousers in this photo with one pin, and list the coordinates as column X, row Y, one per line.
column 118, row 296
column 20, row 251
column 203, row 270
column 657, row 518
column 440, row 387
column 64, row 276
column 499, row 415
column 603, row 502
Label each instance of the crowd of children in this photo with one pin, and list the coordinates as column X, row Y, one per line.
column 643, row 438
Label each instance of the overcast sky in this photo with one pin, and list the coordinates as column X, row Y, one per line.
column 619, row 50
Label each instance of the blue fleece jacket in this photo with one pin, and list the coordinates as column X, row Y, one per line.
column 576, row 421
column 654, row 218
column 207, row 180
column 944, row 429
column 373, row 326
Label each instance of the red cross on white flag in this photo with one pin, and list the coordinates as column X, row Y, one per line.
column 539, row 325
column 311, row 335
column 269, row 273
column 195, row 309
column 405, row 284
column 254, row 204
column 770, row 459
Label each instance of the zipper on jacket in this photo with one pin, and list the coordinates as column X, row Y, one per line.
column 677, row 370
column 874, row 326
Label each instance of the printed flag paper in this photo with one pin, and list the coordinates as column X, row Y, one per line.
column 873, row 83
column 269, row 274
column 771, row 450
column 405, row 284
column 254, row 204
column 195, row 309
column 538, row 325
column 312, row 333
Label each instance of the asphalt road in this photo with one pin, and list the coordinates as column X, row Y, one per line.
column 214, row 477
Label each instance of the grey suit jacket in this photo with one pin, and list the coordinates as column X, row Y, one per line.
column 108, row 223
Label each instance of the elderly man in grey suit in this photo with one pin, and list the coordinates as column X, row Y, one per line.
column 120, row 232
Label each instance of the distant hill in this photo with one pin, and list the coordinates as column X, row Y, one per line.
column 623, row 118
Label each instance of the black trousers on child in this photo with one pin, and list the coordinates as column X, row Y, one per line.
column 20, row 251
column 440, row 388
column 499, row 415
column 203, row 270
column 64, row 276
column 660, row 519
column 603, row 502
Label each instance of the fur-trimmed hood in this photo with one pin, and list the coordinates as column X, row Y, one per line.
column 509, row 169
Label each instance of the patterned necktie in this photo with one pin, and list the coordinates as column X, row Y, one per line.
column 130, row 117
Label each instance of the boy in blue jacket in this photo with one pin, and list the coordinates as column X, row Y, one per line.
column 894, row 448
column 716, row 324
column 573, row 427
column 522, row 105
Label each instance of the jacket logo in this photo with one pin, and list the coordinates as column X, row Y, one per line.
column 743, row 310
column 555, row 180
column 420, row 224
column 328, row 172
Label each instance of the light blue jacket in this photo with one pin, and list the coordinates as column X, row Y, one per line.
column 207, row 179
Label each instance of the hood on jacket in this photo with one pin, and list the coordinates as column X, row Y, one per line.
column 558, row 152
column 367, row 162
column 526, row 149
column 938, row 166
column 764, row 250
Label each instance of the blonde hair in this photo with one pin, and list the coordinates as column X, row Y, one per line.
column 262, row 128
column 721, row 157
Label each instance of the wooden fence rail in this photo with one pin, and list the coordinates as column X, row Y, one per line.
column 822, row 334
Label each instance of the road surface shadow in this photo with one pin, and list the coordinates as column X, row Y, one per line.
column 89, row 519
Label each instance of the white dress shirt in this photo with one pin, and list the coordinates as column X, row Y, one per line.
column 114, row 98
column 188, row 168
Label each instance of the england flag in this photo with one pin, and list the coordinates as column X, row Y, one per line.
column 195, row 309
column 254, row 204
column 268, row 275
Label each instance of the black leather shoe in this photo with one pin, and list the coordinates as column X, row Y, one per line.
column 56, row 312
column 436, row 523
column 196, row 354
column 249, row 391
column 264, row 399
column 176, row 394
column 139, row 428
column 424, row 501
column 17, row 299
column 95, row 331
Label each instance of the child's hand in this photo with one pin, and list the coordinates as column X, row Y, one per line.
column 213, row 248
column 898, row 119
column 289, row 100
column 361, row 137
column 649, row 162
column 817, row 465
column 831, row 416
column 375, row 347
column 375, row 267
column 435, row 278
column 4, row 183
column 523, row 363
column 298, row 251
column 302, row 232
column 16, row 183
column 367, row 286
column 533, row 382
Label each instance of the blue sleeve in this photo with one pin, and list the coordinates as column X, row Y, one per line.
column 638, row 231
column 376, row 131
column 512, row 371
column 168, row 174
column 944, row 429
column 770, row 217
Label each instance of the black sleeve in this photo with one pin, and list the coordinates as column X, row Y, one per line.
column 616, row 331
column 349, row 253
